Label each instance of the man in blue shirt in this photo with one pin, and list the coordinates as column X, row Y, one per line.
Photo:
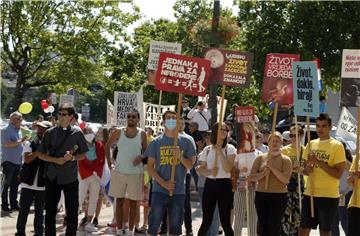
column 12, row 150
column 160, row 155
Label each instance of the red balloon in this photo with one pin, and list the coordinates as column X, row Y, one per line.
column 44, row 105
column 82, row 125
column 43, row 101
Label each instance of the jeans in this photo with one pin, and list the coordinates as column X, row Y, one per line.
column 270, row 208
column 187, row 206
column 217, row 191
column 342, row 217
column 174, row 206
column 214, row 228
column 26, row 198
column 10, row 172
column 52, row 197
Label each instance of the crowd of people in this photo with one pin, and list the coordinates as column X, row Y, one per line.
column 246, row 176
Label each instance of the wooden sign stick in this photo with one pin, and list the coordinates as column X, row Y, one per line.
column 175, row 157
column 159, row 113
column 272, row 132
column 356, row 165
column 298, row 160
column 310, row 179
column 218, row 138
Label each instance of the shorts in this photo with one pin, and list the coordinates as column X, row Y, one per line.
column 324, row 209
column 125, row 185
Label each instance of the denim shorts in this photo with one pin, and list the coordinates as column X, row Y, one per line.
column 161, row 202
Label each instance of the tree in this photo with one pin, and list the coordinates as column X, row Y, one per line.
column 60, row 44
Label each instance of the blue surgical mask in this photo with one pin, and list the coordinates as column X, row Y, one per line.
column 170, row 124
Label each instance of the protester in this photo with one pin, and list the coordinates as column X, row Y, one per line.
column 160, row 153
column 126, row 178
column 270, row 201
column 291, row 220
column 61, row 147
column 32, row 183
column 218, row 187
column 260, row 146
column 341, row 215
column 354, row 204
column 12, row 150
column 90, row 172
column 324, row 163
column 244, row 163
column 201, row 116
column 185, row 109
column 286, row 137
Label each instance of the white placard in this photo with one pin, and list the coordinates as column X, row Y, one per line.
column 347, row 125
column 350, row 67
column 159, row 46
column 65, row 98
column 151, row 115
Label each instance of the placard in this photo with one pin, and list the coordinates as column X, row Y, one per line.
column 123, row 103
column 245, row 114
column 306, row 91
column 151, row 115
column 350, row 92
column 347, row 124
column 350, row 67
column 65, row 98
column 182, row 74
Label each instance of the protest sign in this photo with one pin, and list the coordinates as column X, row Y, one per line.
column 277, row 84
column 155, row 48
column 350, row 92
column 110, row 113
column 151, row 118
column 306, row 91
column 245, row 114
column 85, row 113
column 218, row 102
column 181, row 74
column 65, row 98
column 347, row 124
column 123, row 103
column 350, row 67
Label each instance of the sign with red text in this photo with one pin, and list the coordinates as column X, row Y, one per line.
column 245, row 114
column 277, row 84
column 182, row 74
column 350, row 67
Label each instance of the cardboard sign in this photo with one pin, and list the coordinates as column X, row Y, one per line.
column 350, row 67
column 350, row 92
column 277, row 84
column 230, row 68
column 181, row 74
column 151, row 115
column 123, row 103
column 155, row 48
column 306, row 91
column 85, row 113
column 347, row 124
column 65, row 98
column 245, row 114
column 110, row 113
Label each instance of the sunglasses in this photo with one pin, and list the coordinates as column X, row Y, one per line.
column 131, row 117
column 63, row 114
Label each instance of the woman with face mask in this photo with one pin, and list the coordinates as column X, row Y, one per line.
column 90, row 172
column 217, row 189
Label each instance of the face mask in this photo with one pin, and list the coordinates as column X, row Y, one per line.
column 89, row 137
column 170, row 124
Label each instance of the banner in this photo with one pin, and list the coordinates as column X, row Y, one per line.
column 218, row 100
column 231, row 68
column 347, row 124
column 350, row 67
column 181, row 74
column 350, row 92
column 65, row 98
column 306, row 91
column 155, row 48
column 151, row 113
column 123, row 103
column 278, row 75
column 245, row 114
column 110, row 113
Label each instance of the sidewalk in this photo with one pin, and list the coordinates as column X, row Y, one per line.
column 8, row 222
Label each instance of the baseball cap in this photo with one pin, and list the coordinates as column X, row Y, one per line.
column 45, row 124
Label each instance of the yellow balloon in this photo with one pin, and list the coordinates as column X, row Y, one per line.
column 25, row 108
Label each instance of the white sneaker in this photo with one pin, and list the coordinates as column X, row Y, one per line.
column 126, row 232
column 119, row 232
column 89, row 227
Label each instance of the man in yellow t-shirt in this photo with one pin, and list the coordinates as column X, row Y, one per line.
column 324, row 163
column 354, row 204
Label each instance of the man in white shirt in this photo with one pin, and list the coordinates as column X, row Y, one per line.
column 200, row 115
